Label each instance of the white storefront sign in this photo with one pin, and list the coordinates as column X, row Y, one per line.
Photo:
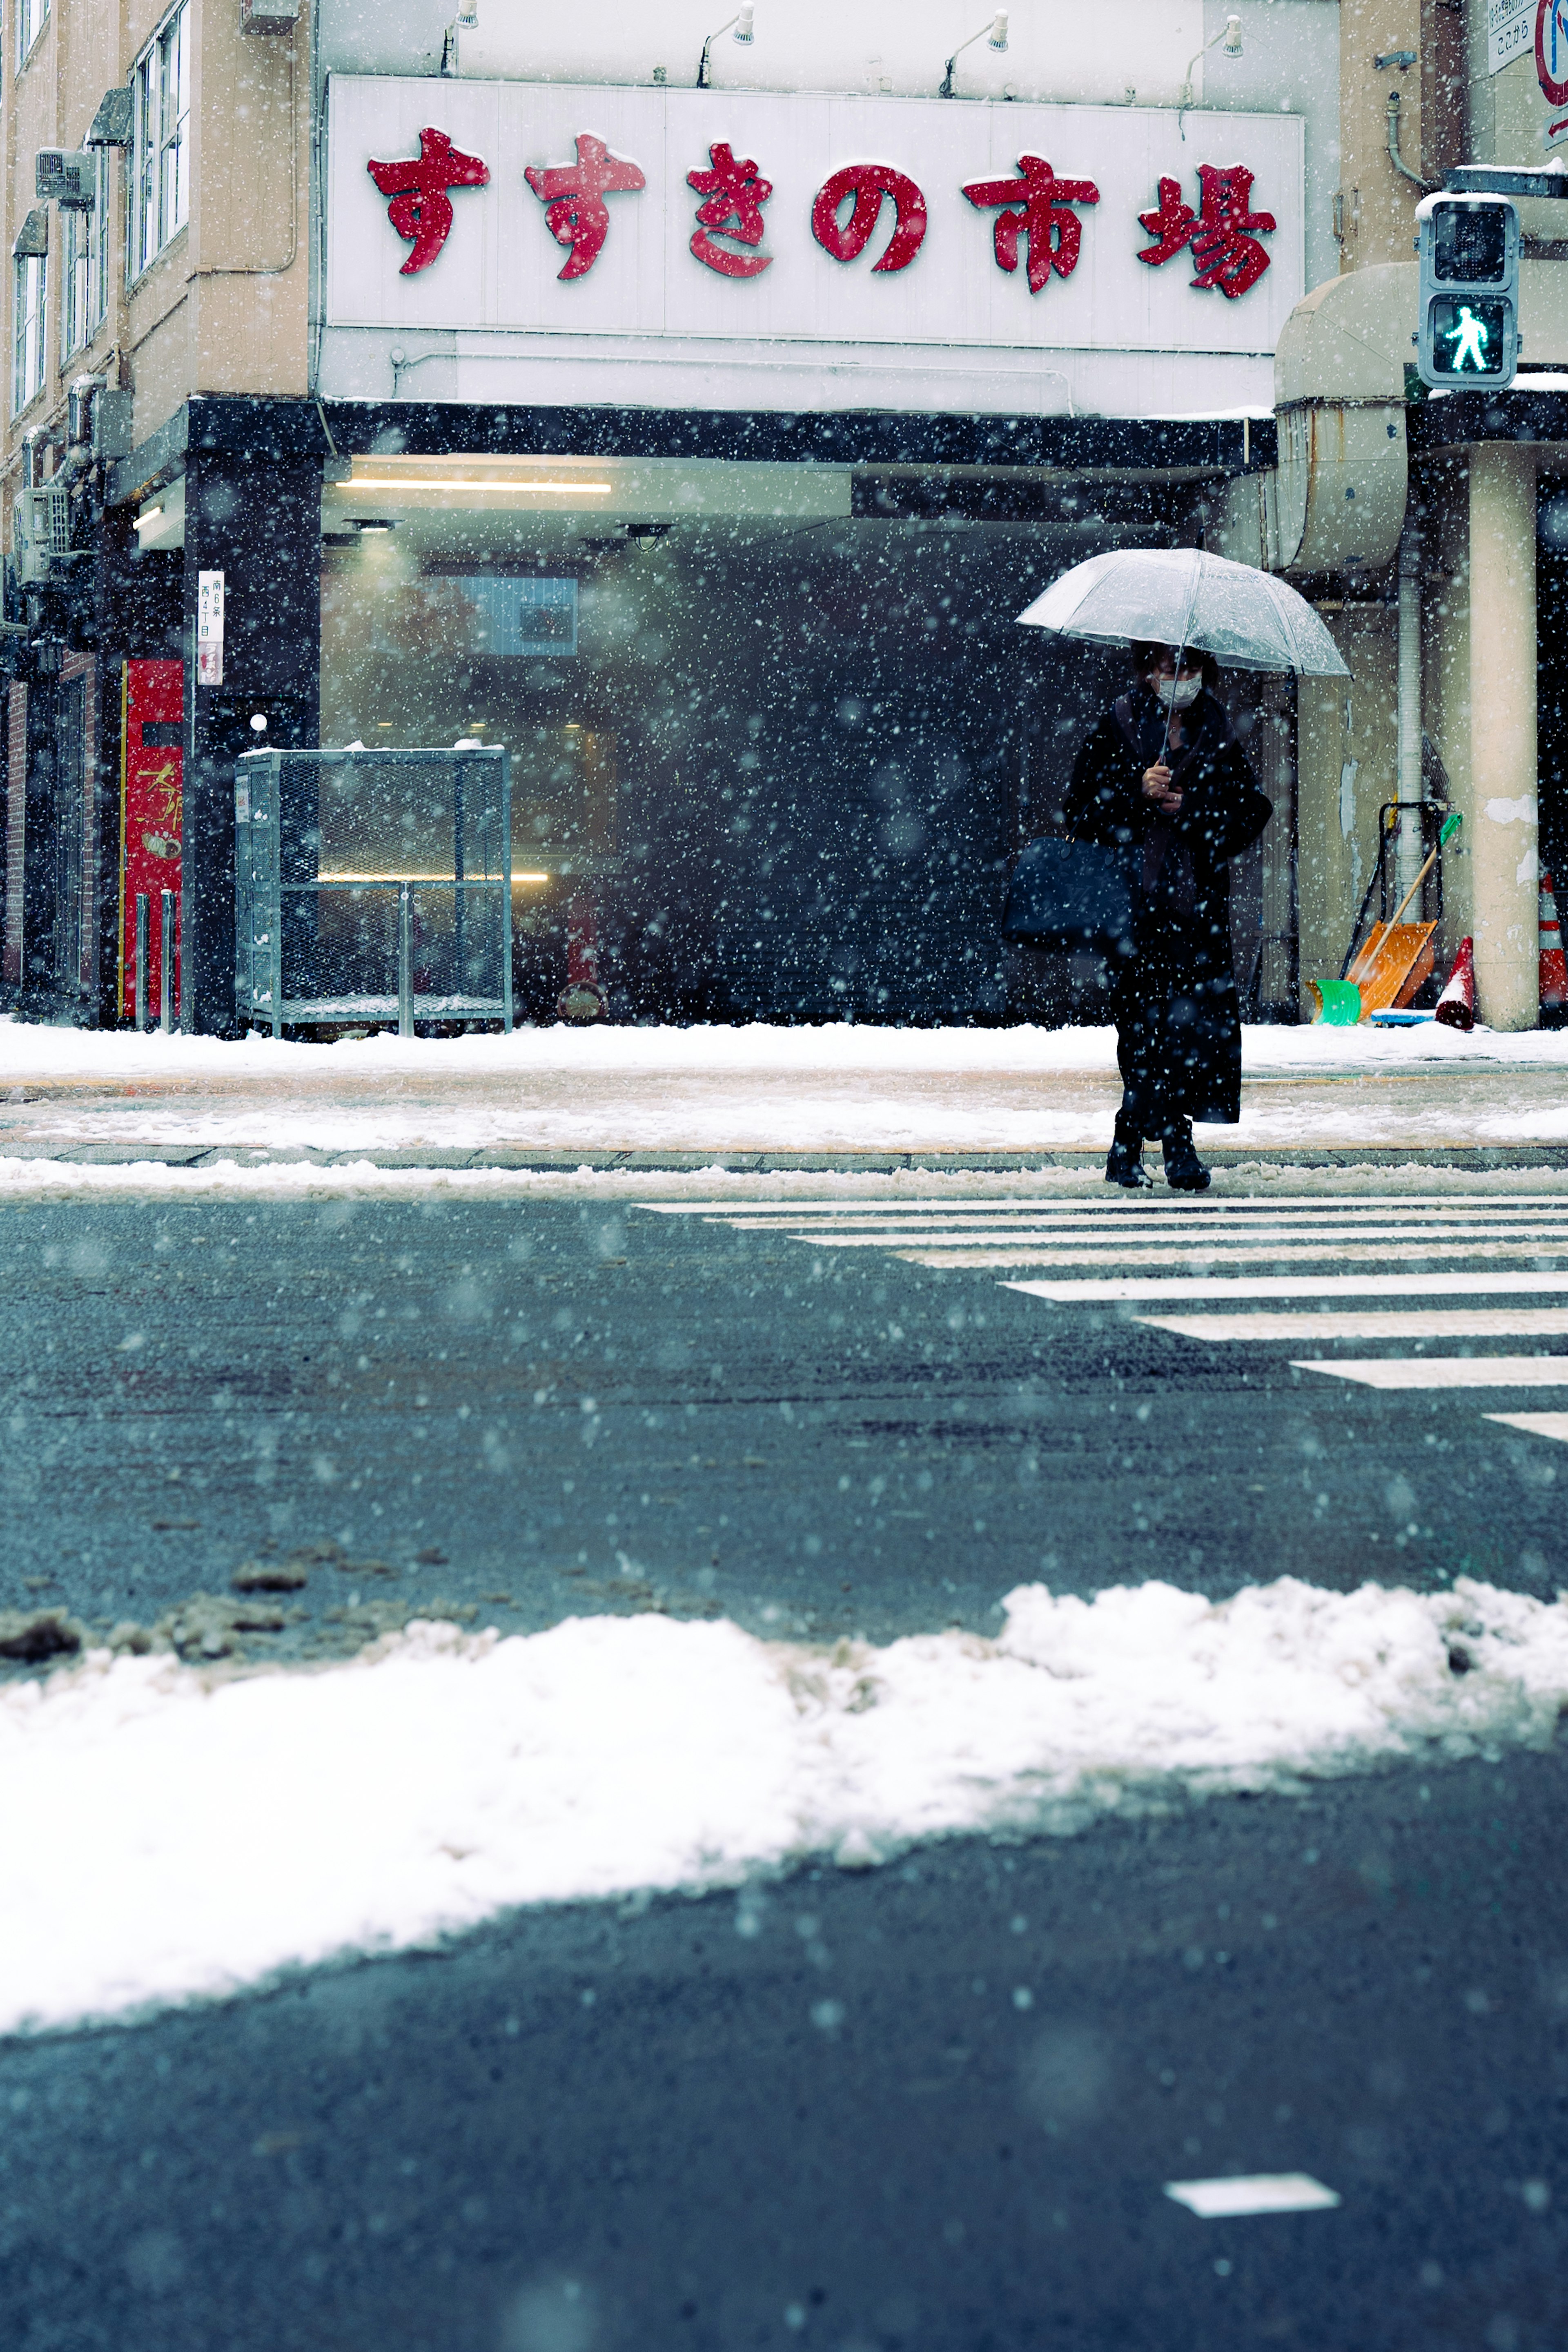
column 210, row 628
column 563, row 244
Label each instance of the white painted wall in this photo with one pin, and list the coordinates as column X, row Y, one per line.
column 1130, row 53
column 1291, row 61
column 891, row 47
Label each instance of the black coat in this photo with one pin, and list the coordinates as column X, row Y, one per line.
column 1181, row 984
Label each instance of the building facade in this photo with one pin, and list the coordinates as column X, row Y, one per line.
column 690, row 414
column 1431, row 532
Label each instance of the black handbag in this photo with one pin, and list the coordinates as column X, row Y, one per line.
column 1071, row 894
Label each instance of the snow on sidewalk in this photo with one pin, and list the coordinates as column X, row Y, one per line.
column 839, row 1087
column 38, row 1051
column 165, row 1836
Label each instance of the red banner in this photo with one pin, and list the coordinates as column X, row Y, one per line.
column 151, row 774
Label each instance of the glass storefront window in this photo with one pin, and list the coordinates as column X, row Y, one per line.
column 776, row 753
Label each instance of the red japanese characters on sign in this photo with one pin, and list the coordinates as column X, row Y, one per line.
column 1053, row 229
column 151, row 763
column 573, row 198
column 420, row 210
column 1035, row 209
column 868, row 184
column 734, row 193
column 1227, row 253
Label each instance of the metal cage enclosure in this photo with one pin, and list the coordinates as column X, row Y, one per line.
column 372, row 886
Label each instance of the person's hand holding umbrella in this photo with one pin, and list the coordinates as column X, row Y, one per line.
column 1158, row 787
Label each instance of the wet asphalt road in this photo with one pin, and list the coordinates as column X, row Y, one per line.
column 932, row 2106
column 529, row 1409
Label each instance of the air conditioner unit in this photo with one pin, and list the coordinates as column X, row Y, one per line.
column 41, row 532
column 69, row 179
column 269, row 15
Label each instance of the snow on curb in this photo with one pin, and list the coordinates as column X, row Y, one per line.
column 164, row 1835
column 363, row 1179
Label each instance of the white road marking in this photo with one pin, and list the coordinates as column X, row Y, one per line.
column 1418, row 1323
column 1124, row 1227
column 1029, row 1251
column 1288, row 1286
column 1253, row 2192
column 1392, row 1236
column 1535, row 1425
column 1445, row 1372
column 1117, row 1207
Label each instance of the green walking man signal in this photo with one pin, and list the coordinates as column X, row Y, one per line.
column 1468, row 343
column 1468, row 331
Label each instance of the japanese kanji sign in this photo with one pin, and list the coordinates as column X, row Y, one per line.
column 1045, row 223
column 663, row 224
column 1045, row 220
column 1220, row 234
column 152, row 762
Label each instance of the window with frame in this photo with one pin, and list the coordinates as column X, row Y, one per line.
column 32, row 16
column 32, row 287
column 84, row 266
column 160, row 141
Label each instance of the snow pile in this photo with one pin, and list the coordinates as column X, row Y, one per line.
column 165, row 1834
column 841, row 1086
column 720, row 1189
column 30, row 1050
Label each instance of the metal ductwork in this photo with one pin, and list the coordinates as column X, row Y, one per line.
column 79, row 410
column 1339, row 394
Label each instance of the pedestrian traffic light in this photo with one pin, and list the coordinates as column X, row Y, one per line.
column 1469, row 320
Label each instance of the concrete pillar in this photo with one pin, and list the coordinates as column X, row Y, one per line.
column 1501, row 818
column 253, row 511
column 1347, row 767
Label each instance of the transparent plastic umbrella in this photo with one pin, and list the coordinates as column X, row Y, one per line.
column 1185, row 596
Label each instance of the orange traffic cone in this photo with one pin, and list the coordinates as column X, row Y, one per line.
column 1553, row 970
column 1457, row 1006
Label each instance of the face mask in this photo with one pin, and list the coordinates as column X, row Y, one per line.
column 1176, row 693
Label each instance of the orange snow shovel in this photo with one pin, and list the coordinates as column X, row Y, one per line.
column 1394, row 958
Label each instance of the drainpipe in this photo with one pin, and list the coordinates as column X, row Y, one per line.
column 1409, row 850
column 1395, row 157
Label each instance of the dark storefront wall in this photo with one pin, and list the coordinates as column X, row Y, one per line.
column 784, row 771
column 792, row 757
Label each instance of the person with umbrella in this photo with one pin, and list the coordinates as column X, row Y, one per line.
column 1162, row 787
column 1163, row 779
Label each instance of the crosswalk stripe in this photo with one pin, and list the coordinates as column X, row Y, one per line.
column 1127, row 1205
column 1119, row 1224
column 1287, row 1285
column 1117, row 1206
column 1443, row 1371
column 1376, row 1323
column 1410, row 1247
column 1064, row 1228
column 1026, row 1252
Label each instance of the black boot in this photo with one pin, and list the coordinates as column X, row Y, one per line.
column 1125, row 1162
column 1185, row 1172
